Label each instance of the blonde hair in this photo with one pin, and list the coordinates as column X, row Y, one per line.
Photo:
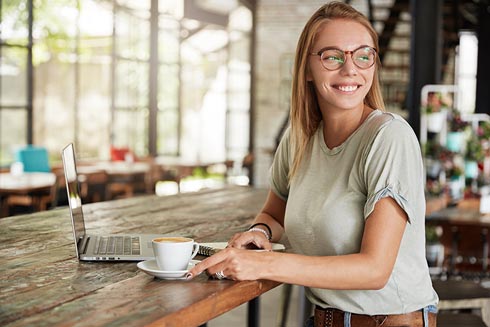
column 305, row 113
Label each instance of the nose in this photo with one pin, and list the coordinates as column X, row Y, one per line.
column 348, row 68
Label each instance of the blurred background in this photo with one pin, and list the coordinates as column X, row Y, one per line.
column 208, row 81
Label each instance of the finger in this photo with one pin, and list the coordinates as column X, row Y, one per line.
column 259, row 241
column 207, row 263
column 240, row 241
column 243, row 241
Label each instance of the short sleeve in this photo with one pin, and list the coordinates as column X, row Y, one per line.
column 280, row 168
column 394, row 169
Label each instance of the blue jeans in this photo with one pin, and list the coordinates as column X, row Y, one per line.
column 426, row 310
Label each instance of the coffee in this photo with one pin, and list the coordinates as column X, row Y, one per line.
column 172, row 239
column 174, row 253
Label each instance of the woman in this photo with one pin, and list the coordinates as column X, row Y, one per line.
column 346, row 188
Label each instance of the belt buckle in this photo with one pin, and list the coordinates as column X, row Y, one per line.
column 379, row 319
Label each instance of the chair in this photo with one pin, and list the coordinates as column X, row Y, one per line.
column 121, row 154
column 37, row 201
column 34, row 159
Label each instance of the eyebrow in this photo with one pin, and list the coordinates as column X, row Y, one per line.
column 335, row 48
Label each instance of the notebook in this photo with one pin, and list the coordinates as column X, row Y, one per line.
column 118, row 247
column 208, row 249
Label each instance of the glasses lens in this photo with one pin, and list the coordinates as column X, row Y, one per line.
column 364, row 57
column 332, row 59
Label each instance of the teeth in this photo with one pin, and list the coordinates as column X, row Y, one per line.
column 348, row 88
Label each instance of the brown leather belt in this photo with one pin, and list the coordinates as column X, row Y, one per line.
column 335, row 318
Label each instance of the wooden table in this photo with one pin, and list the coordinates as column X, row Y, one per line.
column 25, row 183
column 42, row 283
column 28, row 188
column 460, row 215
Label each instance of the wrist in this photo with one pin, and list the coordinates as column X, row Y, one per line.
column 256, row 229
column 267, row 231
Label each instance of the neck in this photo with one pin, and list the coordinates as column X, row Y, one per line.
column 338, row 127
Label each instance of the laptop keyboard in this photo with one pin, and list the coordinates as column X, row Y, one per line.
column 118, row 245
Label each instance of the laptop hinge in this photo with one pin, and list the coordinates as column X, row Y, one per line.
column 84, row 244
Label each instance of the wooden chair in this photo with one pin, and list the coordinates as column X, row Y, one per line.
column 36, row 201
column 93, row 186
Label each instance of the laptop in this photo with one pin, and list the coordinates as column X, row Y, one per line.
column 117, row 247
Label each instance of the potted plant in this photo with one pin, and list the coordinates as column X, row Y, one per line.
column 474, row 154
column 455, row 182
column 434, row 250
column 484, row 136
column 433, row 110
column 455, row 136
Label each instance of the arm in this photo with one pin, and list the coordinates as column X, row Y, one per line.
column 272, row 214
column 368, row 269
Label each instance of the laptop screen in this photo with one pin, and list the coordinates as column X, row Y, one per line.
column 72, row 189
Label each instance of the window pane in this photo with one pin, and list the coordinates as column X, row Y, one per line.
column 169, row 40
column 14, row 22
column 174, row 8
column 94, row 105
column 168, row 96
column 168, row 132
column 13, row 133
column 131, row 84
column 13, row 76
column 237, row 134
column 132, row 36
column 131, row 130
column 135, row 4
column 54, row 102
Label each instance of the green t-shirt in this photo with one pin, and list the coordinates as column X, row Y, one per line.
column 335, row 190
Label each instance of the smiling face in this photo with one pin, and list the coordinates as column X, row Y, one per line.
column 346, row 87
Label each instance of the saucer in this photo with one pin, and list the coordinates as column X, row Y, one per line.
column 150, row 267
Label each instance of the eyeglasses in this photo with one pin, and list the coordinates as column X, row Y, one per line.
column 333, row 58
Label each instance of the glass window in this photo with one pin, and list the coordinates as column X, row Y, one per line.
column 169, row 38
column 167, row 141
column 91, row 63
column 13, row 133
column 174, row 8
column 131, row 128
column 13, row 74
column 168, row 97
column 466, row 71
column 15, row 28
column 132, row 35
column 131, row 84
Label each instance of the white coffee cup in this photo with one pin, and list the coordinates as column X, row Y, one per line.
column 173, row 253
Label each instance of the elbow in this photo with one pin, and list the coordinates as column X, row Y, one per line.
column 378, row 280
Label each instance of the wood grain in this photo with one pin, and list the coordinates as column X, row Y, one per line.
column 43, row 284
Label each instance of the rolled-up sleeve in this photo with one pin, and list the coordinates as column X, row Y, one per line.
column 394, row 168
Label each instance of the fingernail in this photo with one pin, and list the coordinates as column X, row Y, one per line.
column 188, row 276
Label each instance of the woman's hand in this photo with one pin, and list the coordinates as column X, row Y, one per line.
column 250, row 240
column 232, row 263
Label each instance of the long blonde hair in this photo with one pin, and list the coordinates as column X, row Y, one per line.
column 305, row 112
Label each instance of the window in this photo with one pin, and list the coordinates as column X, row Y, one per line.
column 15, row 69
column 97, row 82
